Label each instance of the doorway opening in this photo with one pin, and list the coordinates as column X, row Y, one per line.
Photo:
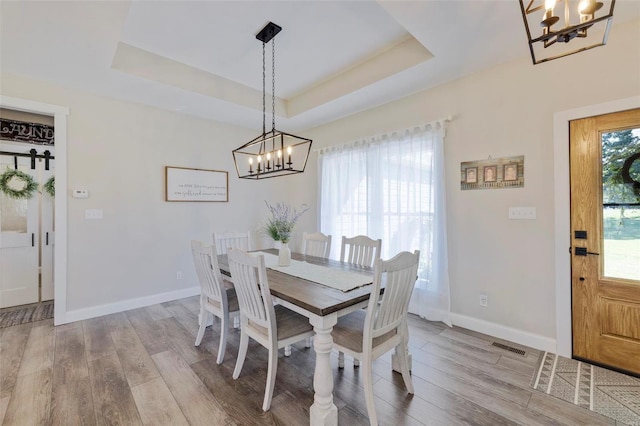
column 59, row 115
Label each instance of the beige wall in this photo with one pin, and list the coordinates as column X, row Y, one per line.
column 117, row 151
column 505, row 111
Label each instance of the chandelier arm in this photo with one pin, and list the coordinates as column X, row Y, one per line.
column 567, row 30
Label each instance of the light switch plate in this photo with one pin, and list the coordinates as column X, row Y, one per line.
column 522, row 213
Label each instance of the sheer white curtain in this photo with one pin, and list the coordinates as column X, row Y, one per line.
column 392, row 187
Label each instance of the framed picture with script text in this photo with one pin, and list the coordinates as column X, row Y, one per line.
column 185, row 184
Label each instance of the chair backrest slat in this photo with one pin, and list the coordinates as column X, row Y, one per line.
column 360, row 250
column 205, row 260
column 317, row 244
column 398, row 275
column 252, row 288
column 226, row 240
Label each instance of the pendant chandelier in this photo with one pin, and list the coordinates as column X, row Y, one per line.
column 273, row 153
column 586, row 25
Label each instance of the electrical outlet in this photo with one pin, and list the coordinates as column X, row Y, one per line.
column 179, row 275
column 484, row 300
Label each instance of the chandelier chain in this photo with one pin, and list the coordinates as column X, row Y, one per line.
column 264, row 102
column 273, row 84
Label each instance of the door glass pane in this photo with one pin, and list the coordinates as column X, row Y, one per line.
column 13, row 213
column 621, row 203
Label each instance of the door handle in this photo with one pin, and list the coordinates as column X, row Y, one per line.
column 33, row 239
column 47, row 239
column 582, row 251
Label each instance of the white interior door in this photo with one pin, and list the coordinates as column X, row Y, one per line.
column 19, row 237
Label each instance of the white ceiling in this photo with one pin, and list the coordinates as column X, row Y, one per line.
column 201, row 57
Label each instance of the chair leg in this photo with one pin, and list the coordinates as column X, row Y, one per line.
column 356, row 363
column 308, row 342
column 242, row 353
column 204, row 318
column 224, row 332
column 271, row 378
column 401, row 354
column 287, row 350
column 236, row 322
column 340, row 359
column 368, row 391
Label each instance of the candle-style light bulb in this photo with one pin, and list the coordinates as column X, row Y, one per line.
column 278, row 165
column 251, row 165
column 259, row 163
column 587, row 9
column 289, row 153
column 548, row 19
column 268, row 161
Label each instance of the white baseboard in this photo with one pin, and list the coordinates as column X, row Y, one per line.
column 507, row 333
column 125, row 305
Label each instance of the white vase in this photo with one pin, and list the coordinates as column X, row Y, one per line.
column 284, row 255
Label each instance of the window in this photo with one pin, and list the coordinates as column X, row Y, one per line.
column 392, row 187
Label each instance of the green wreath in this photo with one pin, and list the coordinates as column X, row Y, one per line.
column 26, row 192
column 50, row 186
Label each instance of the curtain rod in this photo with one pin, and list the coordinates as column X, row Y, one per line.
column 440, row 121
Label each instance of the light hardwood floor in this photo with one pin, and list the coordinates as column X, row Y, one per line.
column 141, row 367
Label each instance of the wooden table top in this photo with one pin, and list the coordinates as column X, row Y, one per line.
column 313, row 297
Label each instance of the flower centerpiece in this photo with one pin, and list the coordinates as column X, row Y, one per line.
column 280, row 226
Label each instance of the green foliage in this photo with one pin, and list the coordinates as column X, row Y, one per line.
column 50, row 186
column 283, row 219
column 29, row 186
column 616, row 148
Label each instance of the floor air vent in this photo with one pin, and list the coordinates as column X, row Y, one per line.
column 509, row 348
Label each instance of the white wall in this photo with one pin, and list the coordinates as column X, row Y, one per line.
column 117, row 151
column 505, row 111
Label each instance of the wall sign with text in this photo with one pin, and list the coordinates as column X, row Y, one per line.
column 493, row 173
column 20, row 131
column 184, row 184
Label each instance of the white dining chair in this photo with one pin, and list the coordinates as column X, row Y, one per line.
column 360, row 250
column 217, row 296
column 226, row 240
column 316, row 244
column 319, row 245
column 273, row 327
column 367, row 335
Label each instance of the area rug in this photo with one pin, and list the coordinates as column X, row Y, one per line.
column 606, row 392
column 26, row 314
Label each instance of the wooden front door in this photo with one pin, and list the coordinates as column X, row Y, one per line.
column 605, row 234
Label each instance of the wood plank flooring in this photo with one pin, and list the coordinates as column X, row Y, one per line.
column 141, row 368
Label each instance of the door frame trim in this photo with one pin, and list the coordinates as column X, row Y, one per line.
column 562, row 211
column 59, row 114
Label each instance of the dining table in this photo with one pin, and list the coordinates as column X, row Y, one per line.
column 323, row 305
